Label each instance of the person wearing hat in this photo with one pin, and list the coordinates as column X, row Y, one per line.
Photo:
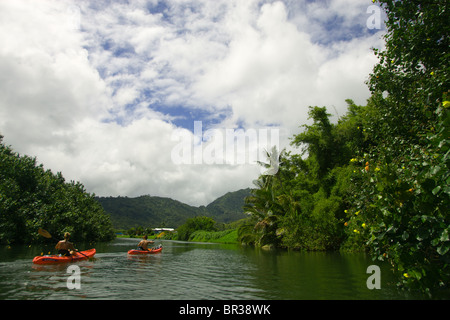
column 64, row 247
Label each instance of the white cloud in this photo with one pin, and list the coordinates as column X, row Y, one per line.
column 273, row 71
column 78, row 80
column 47, row 82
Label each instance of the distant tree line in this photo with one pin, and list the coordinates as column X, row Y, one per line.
column 203, row 223
column 139, row 231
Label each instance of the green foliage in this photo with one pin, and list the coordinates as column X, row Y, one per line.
column 379, row 179
column 225, row 236
column 401, row 184
column 156, row 211
column 194, row 224
column 301, row 206
column 32, row 198
column 147, row 210
column 402, row 199
column 228, row 208
column 139, row 231
column 319, row 141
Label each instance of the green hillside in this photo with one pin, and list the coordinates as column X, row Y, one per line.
column 228, row 208
column 152, row 211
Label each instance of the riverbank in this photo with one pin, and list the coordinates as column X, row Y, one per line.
column 226, row 236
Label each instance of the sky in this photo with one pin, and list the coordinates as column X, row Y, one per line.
column 175, row 98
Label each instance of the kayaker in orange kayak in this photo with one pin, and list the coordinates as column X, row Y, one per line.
column 143, row 245
column 64, row 247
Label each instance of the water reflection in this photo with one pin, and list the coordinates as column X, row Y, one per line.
column 195, row 271
column 312, row 275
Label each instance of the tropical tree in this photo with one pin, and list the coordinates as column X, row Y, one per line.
column 33, row 198
column 379, row 178
column 195, row 224
column 402, row 185
column 263, row 205
column 298, row 206
column 318, row 141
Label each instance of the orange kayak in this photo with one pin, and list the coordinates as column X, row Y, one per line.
column 52, row 259
column 134, row 251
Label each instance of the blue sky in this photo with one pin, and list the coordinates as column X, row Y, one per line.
column 101, row 86
column 326, row 26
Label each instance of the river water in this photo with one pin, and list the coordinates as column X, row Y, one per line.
column 193, row 271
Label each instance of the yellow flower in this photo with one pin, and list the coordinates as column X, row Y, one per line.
column 357, row 212
column 364, row 225
column 345, row 211
column 446, row 104
column 432, row 73
column 353, row 160
column 355, row 231
column 377, row 169
column 406, row 275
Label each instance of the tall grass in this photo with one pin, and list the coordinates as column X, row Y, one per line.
column 226, row 236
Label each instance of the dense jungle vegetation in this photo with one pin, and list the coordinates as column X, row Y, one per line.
column 378, row 179
column 32, row 198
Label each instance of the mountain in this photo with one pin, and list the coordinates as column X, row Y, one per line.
column 152, row 211
column 228, row 208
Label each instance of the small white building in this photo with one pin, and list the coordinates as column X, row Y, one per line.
column 159, row 230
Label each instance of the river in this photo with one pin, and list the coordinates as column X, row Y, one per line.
column 194, row 271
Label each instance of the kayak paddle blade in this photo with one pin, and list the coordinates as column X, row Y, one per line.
column 44, row 233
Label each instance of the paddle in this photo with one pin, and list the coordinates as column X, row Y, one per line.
column 44, row 233
column 47, row 235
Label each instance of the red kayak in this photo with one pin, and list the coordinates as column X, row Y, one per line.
column 52, row 259
column 134, row 251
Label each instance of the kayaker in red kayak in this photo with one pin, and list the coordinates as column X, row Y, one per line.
column 64, row 247
column 143, row 245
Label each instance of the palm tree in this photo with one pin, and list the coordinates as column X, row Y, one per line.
column 263, row 205
column 274, row 158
